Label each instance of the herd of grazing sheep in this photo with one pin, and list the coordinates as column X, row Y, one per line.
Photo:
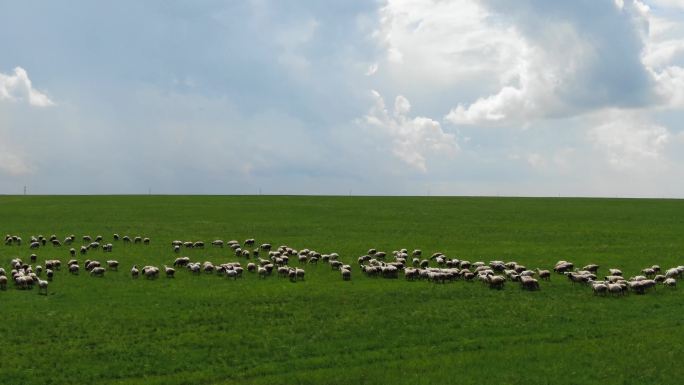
column 263, row 260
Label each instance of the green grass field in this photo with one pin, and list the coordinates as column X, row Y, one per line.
column 208, row 330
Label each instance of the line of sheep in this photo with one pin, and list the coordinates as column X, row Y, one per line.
column 615, row 283
column 374, row 263
column 88, row 242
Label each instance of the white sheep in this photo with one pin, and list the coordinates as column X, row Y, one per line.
column 170, row 272
column 42, row 286
column 97, row 272
column 670, row 282
column 135, row 272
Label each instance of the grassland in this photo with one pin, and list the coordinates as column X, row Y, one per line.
column 206, row 330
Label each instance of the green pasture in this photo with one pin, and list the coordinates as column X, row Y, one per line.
column 209, row 330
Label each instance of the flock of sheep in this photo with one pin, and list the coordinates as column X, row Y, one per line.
column 264, row 260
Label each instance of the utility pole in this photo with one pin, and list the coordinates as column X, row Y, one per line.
column 24, row 189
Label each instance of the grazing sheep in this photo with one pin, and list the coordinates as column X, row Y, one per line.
column 346, row 274
column 544, row 274
column 262, row 272
column 670, row 282
column 615, row 289
column 181, row 262
column 113, row 265
column 73, row 269
column 251, row 267
column 231, row 274
column 495, row 281
column 599, row 288
column 300, row 273
column 146, row 241
column 126, row 239
column 116, row 237
column 528, row 283
column 217, row 243
column 97, row 272
column 3, row 282
column 673, row 273
column 137, row 239
column 170, row 272
column 615, row 272
column 135, row 272
column 150, row 272
column 42, row 286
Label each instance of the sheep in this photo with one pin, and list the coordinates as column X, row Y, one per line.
column 98, row 238
column 181, row 262
column 249, row 242
column 137, row 239
column 615, row 289
column 528, row 283
column 90, row 265
column 673, row 273
column 113, row 264
column 262, row 272
column 232, row 274
column 73, row 269
column 170, row 272
column 599, row 288
column 251, row 267
column 648, row 272
column 42, row 286
column 150, row 272
column 84, row 250
column 116, row 236
column 195, row 268
column 670, row 282
column 97, row 272
column 3, row 282
column 495, row 282
column 34, row 245
column 615, row 272
column 300, row 273
column 544, row 274
column 283, row 271
column 265, row 246
column 146, row 241
column 346, row 274
column 126, row 239
column 208, row 267
column 217, row 243
column 135, row 272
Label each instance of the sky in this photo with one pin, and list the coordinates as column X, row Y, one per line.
column 361, row 97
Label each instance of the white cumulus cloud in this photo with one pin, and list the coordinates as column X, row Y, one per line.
column 628, row 140
column 18, row 87
column 414, row 139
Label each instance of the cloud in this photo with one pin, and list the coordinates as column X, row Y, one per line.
column 577, row 64
column 18, row 87
column 413, row 139
column 11, row 163
column 629, row 141
column 441, row 43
